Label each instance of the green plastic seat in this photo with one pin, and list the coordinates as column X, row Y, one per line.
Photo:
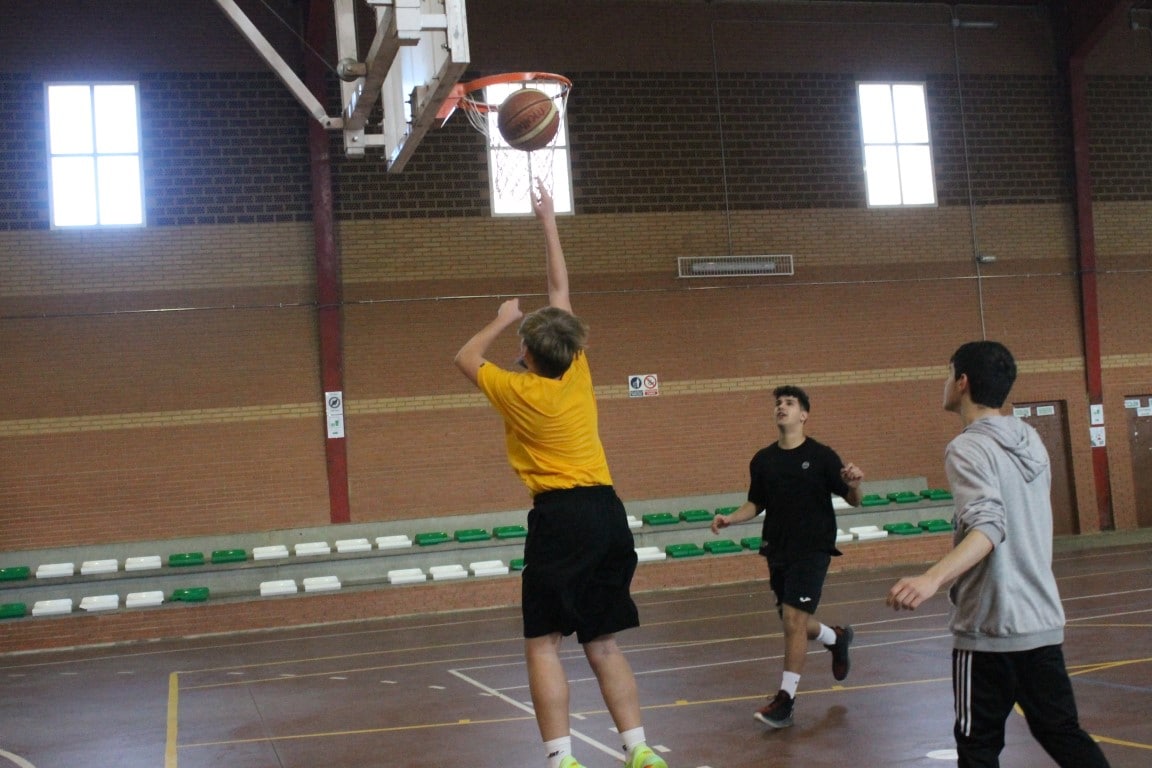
column 229, row 556
column 15, row 573
column 516, row 564
column 696, row 516
column 752, row 542
column 683, row 550
column 510, row 531
column 873, row 500
column 904, row 497
column 13, row 610
column 935, row 526
column 726, row 510
column 429, row 538
column 902, row 529
column 660, row 518
column 471, row 534
column 190, row 594
column 722, row 547
column 941, row 495
column 184, row 559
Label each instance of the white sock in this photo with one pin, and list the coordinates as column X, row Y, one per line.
column 557, row 750
column 789, row 682
column 633, row 737
column 827, row 635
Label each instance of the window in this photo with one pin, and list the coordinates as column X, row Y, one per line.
column 511, row 171
column 94, row 155
column 897, row 152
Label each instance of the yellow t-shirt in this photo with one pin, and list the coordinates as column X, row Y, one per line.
column 550, row 426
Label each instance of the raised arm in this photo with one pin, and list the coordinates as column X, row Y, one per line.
column 545, row 211
column 471, row 355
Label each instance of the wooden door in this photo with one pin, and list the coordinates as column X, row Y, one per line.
column 1050, row 420
column 1138, row 412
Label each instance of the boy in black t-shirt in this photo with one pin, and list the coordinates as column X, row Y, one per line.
column 792, row 483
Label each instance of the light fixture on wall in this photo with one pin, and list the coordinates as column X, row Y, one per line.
column 986, row 258
column 735, row 266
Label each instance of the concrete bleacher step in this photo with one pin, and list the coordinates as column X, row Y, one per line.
column 143, row 599
column 100, row 603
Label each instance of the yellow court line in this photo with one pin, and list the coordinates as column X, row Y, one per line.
column 1083, row 669
column 357, row 732
column 329, row 673
column 1121, row 742
column 173, row 718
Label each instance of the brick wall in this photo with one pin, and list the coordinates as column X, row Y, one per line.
column 165, row 381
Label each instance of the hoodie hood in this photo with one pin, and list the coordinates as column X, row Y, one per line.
column 1018, row 439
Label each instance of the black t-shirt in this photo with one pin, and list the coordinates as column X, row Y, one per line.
column 794, row 489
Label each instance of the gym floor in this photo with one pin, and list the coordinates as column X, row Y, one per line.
column 450, row 688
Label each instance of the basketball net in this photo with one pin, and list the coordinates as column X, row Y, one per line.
column 514, row 171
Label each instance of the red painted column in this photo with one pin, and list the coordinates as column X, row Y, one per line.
column 329, row 291
column 1089, row 299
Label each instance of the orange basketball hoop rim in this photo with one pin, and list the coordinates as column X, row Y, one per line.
column 469, row 96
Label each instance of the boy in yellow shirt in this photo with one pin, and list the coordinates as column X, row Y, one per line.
column 579, row 556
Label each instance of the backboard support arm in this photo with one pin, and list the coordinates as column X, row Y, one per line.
column 418, row 54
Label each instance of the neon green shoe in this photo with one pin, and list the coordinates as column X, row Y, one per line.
column 643, row 757
column 570, row 762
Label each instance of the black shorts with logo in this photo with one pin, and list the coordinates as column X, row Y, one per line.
column 579, row 559
column 799, row 582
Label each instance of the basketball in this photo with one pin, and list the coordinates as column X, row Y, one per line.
column 528, row 119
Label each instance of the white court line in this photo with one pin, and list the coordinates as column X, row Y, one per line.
column 525, row 708
column 16, row 759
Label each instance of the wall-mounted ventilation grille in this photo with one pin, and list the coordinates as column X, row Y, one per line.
column 735, row 266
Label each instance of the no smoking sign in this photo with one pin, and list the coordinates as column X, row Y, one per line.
column 643, row 385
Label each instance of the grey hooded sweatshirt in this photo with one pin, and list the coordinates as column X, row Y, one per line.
column 1001, row 481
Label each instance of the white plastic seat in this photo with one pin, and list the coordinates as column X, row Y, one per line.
column 647, row 554
column 55, row 570
column 488, row 568
column 321, row 583
column 100, row 603
column 91, row 567
column 447, row 572
column 406, row 576
column 393, row 542
column 277, row 587
column 143, row 599
column 52, row 607
column 353, row 545
column 142, row 563
column 310, row 548
column 270, row 552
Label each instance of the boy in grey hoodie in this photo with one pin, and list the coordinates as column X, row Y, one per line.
column 1007, row 620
